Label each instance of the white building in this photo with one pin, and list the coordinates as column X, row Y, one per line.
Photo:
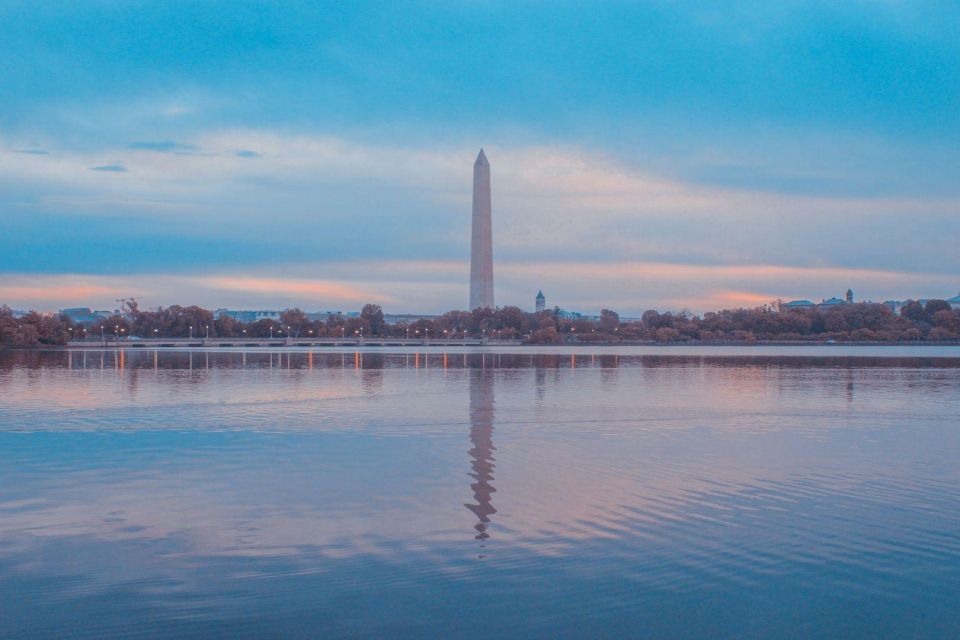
column 248, row 316
column 798, row 304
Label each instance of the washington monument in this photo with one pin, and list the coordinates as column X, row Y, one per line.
column 481, row 246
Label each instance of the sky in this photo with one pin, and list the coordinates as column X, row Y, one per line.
column 667, row 155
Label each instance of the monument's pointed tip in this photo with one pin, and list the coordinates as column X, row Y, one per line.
column 481, row 158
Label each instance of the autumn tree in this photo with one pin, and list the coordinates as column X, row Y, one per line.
column 915, row 311
column 948, row 320
column 934, row 306
column 372, row 315
column 609, row 321
column 294, row 321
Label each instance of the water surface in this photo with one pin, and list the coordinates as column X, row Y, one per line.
column 602, row 493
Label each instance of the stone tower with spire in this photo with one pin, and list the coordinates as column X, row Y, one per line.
column 481, row 245
column 541, row 302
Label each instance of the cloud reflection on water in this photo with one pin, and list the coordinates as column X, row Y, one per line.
column 674, row 472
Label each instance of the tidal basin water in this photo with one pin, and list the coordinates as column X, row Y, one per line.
column 806, row 493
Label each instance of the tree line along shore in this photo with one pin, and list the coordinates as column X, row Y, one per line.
column 934, row 321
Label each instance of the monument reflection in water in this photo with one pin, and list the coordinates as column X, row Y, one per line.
column 352, row 494
column 481, row 453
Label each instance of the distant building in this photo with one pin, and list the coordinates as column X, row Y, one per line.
column 823, row 304
column 84, row 315
column 832, row 302
column 894, row 305
column 541, row 302
column 567, row 315
column 572, row 315
column 247, row 316
column 77, row 314
column 406, row 318
column 323, row 316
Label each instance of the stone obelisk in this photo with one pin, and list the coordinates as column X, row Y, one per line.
column 481, row 246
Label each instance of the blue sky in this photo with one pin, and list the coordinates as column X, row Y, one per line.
column 644, row 155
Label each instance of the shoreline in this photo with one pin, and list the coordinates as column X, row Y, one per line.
column 473, row 344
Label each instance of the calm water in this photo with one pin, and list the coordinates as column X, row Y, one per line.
column 657, row 494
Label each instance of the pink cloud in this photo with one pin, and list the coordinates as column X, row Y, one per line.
column 437, row 286
column 311, row 289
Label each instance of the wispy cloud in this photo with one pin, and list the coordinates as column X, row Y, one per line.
column 591, row 184
column 110, row 168
column 165, row 146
